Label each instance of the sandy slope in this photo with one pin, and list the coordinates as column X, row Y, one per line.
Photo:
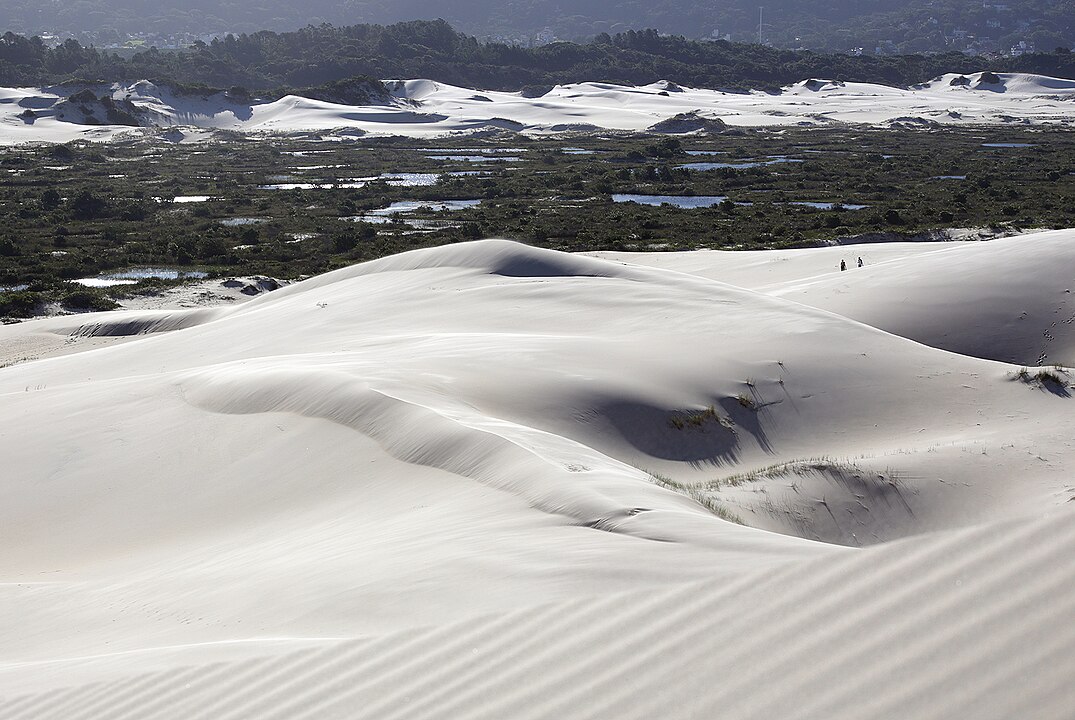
column 967, row 624
column 1008, row 299
column 424, row 108
column 411, row 488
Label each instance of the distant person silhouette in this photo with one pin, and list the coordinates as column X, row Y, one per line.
column 860, row 262
column 843, row 266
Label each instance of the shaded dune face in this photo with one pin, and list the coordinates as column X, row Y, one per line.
column 520, row 477
column 122, row 325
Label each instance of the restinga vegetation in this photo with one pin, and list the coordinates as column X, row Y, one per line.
column 318, row 57
column 289, row 207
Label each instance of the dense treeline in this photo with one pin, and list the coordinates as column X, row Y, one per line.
column 835, row 25
column 317, row 56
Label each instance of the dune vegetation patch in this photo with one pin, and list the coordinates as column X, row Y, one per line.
column 1055, row 379
column 700, row 497
column 817, row 464
column 700, row 419
column 833, row 500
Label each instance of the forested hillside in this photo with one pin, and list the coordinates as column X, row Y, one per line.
column 840, row 25
column 329, row 59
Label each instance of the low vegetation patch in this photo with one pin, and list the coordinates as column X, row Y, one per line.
column 795, row 467
column 87, row 300
column 1054, row 378
column 698, row 495
column 20, row 304
column 746, row 401
column 684, row 419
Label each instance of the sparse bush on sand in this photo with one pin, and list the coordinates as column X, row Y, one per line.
column 682, row 420
column 1055, row 376
column 20, row 304
column 87, row 300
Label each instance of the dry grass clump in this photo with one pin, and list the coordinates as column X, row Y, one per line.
column 684, row 419
column 697, row 495
column 1053, row 378
column 746, row 401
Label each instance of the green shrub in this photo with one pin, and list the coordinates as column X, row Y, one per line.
column 20, row 304
column 87, row 299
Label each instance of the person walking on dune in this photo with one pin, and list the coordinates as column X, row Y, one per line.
column 860, row 261
column 843, row 265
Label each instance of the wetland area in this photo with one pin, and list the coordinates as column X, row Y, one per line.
column 290, row 208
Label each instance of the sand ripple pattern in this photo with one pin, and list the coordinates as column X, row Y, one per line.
column 972, row 624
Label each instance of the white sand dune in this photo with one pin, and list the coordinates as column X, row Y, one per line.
column 1008, row 299
column 485, row 480
column 424, row 108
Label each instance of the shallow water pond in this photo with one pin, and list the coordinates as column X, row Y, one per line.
column 680, row 201
column 406, row 206
column 136, row 275
column 476, row 158
column 410, row 179
column 424, row 224
column 829, row 205
column 235, row 222
column 736, row 165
